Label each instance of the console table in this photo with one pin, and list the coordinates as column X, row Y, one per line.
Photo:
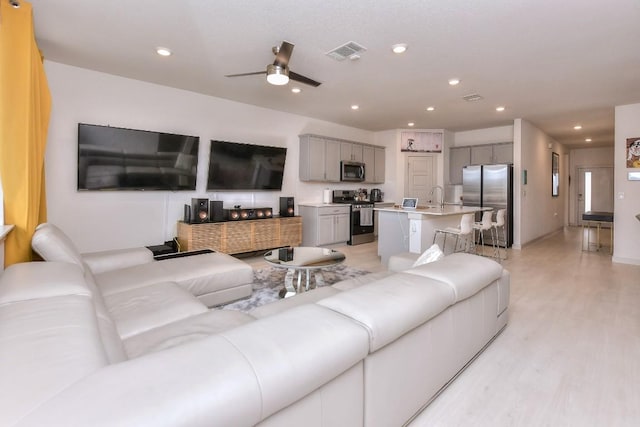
column 597, row 219
column 234, row 237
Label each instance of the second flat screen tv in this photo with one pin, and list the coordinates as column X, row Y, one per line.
column 236, row 166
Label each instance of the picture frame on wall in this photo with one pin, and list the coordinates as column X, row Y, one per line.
column 555, row 174
column 633, row 153
column 425, row 142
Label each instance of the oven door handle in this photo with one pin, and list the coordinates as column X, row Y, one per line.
column 361, row 172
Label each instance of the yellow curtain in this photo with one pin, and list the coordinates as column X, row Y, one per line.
column 25, row 105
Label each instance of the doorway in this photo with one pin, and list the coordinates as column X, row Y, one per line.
column 594, row 191
column 420, row 178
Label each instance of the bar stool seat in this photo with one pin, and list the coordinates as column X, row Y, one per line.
column 485, row 225
column 463, row 234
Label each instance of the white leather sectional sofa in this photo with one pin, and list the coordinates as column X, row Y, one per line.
column 366, row 352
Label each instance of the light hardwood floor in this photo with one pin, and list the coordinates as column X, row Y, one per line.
column 570, row 355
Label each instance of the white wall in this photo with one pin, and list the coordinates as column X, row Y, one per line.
column 585, row 157
column 539, row 212
column 106, row 220
column 626, row 243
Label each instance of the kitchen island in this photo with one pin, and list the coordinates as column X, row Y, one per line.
column 412, row 230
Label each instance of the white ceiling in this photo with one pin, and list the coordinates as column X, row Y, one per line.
column 555, row 63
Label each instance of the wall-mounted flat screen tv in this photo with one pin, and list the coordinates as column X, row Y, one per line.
column 236, row 166
column 111, row 158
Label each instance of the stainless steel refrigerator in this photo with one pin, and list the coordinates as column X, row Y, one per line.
column 490, row 186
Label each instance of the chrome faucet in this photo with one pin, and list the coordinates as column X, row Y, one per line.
column 433, row 189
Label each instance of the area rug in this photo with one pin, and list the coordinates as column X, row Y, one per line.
column 267, row 283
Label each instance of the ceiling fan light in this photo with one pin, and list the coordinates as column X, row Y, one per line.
column 277, row 75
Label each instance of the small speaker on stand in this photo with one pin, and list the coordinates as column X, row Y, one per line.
column 287, row 206
column 187, row 214
column 199, row 210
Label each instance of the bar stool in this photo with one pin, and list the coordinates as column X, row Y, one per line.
column 485, row 225
column 464, row 231
column 499, row 223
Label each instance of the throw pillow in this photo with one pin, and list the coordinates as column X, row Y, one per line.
column 432, row 254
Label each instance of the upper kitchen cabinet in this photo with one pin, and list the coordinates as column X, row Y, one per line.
column 503, row 153
column 459, row 157
column 379, row 170
column 485, row 154
column 319, row 159
column 492, row 154
column 374, row 164
column 351, row 152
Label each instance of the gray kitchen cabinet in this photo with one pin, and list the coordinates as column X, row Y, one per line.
column 374, row 162
column 324, row 225
column 319, row 159
column 485, row 154
column 351, row 152
column 503, row 153
column 369, row 160
column 379, row 170
column 481, row 154
column 459, row 157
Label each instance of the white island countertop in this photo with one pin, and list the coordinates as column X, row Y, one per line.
column 434, row 210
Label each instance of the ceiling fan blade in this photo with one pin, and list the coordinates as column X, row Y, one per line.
column 302, row 79
column 283, row 55
column 246, row 74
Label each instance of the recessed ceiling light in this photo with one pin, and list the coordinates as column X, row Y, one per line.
column 296, row 90
column 411, row 124
column 399, row 48
column 501, row 108
column 577, row 127
column 588, row 140
column 454, row 82
column 431, row 108
column 163, row 51
column 355, row 107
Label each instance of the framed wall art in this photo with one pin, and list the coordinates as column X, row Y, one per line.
column 427, row 142
column 633, row 153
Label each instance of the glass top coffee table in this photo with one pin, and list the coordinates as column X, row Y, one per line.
column 302, row 260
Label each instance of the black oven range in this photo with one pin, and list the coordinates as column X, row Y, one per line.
column 361, row 217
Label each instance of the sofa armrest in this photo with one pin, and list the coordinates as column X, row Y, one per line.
column 100, row 262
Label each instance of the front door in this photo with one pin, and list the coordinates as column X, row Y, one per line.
column 595, row 190
column 420, row 178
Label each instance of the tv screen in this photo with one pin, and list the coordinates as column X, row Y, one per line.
column 111, row 158
column 235, row 166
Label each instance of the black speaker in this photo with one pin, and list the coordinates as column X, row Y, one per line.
column 286, row 206
column 216, row 213
column 199, row 210
column 187, row 214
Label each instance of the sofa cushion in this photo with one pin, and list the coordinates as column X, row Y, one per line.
column 393, row 305
column 199, row 274
column 52, row 244
column 465, row 273
column 189, row 329
column 46, row 345
column 140, row 309
column 295, row 352
column 102, row 261
column 356, row 282
column 34, row 280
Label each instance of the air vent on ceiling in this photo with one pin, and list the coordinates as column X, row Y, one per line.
column 472, row 97
column 350, row 50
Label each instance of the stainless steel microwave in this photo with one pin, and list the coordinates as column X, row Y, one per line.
column 351, row 171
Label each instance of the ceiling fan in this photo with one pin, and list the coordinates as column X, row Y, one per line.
column 278, row 73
